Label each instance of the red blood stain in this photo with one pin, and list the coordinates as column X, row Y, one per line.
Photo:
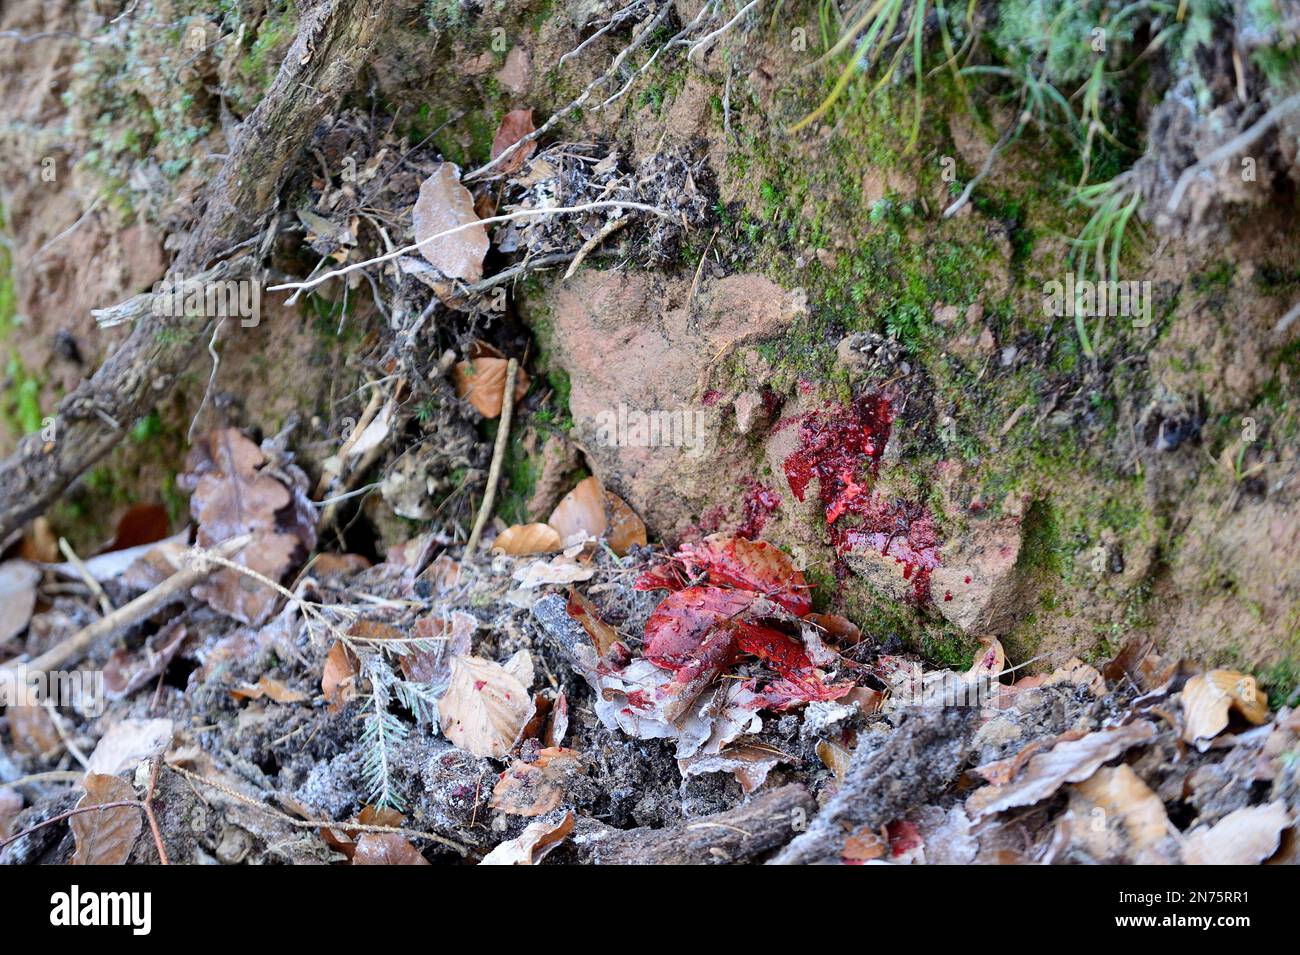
column 947, row 595
column 760, row 502
column 842, row 448
column 479, row 684
column 712, row 397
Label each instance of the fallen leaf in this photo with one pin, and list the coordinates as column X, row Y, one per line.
column 520, row 666
column 515, row 125
column 1245, row 837
column 1080, row 674
column 385, row 848
column 841, row 630
column 626, row 529
column 748, row 763
column 835, row 758
column 560, row 569
column 580, row 515
column 535, row 788
column 865, row 845
column 528, row 539
column 558, row 725
column 1115, row 817
column 482, row 382
column 338, row 679
column 451, row 636
column 128, row 671
column 141, row 524
column 1070, row 761
column 990, row 661
column 737, row 563
column 445, row 204
column 485, row 708
column 18, row 580
column 32, row 730
column 39, row 543
column 271, row 689
column 105, row 837
column 1209, row 699
column 533, row 844
column 603, row 636
column 129, row 743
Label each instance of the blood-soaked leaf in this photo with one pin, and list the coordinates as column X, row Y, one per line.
column 749, row 565
column 533, row 844
column 782, row 652
column 515, row 125
column 990, row 661
column 796, row 689
column 485, row 708
column 339, row 678
column 385, row 848
column 535, row 788
column 273, row 690
column 683, row 632
column 585, row 612
column 626, row 529
column 581, row 513
column 444, row 204
column 528, row 539
column 107, row 836
column 481, row 381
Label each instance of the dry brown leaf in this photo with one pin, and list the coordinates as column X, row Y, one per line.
column 864, row 845
column 558, row 725
column 603, row 636
column 339, row 678
column 482, row 382
column 18, row 580
column 1070, row 761
column 445, row 204
column 128, row 671
column 841, row 630
column 385, row 848
column 39, row 544
column 32, row 730
column 105, row 837
column 535, row 788
column 129, row 743
column 485, row 708
column 581, row 513
column 1209, row 699
column 560, row 569
column 1245, row 837
column 528, row 539
column 626, row 529
column 451, row 636
column 990, row 661
column 1115, row 817
column 750, row 764
column 533, row 844
column 271, row 689
column 835, row 758
column 515, row 125
column 1080, row 674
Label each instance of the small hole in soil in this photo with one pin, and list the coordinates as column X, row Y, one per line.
column 178, row 673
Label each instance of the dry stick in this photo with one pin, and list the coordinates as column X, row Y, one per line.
column 315, row 823
column 1233, row 146
column 498, row 455
column 333, row 41
column 105, row 605
column 76, row 646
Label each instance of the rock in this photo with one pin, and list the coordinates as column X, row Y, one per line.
column 751, row 411
column 979, row 574
column 641, row 367
column 517, row 73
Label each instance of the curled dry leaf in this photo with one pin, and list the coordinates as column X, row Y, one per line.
column 835, row 758
column 528, row 539
column 586, row 613
column 626, row 529
column 1209, row 699
column 485, row 708
column 128, row 744
column 1080, row 674
column 533, row 844
column 560, row 569
column 1116, row 818
column 580, row 515
column 515, row 125
column 535, row 788
column 105, row 837
column 840, row 630
column 748, row 763
column 339, row 678
column 273, row 690
column 1245, row 837
column 1070, row 761
column 445, row 204
column 558, row 725
column 385, row 848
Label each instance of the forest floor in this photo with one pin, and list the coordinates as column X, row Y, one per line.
column 642, row 431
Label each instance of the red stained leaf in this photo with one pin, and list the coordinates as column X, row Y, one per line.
column 515, row 125
column 748, row 565
column 683, row 631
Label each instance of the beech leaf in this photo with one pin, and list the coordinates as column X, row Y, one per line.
column 485, row 708
column 105, row 837
column 515, row 125
column 445, row 204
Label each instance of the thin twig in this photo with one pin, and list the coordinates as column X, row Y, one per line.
column 498, row 456
column 105, row 605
